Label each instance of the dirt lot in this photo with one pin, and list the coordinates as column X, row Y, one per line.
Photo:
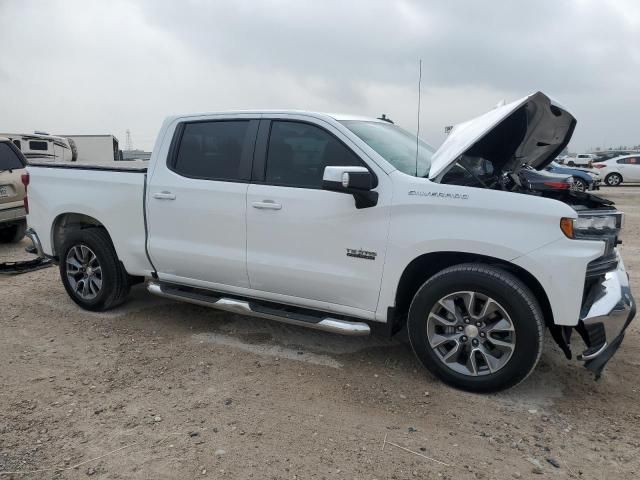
column 157, row 389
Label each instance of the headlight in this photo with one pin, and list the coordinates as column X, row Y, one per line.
column 594, row 223
column 591, row 226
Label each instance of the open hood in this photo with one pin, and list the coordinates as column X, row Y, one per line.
column 530, row 131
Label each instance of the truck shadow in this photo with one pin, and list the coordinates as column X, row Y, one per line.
column 554, row 379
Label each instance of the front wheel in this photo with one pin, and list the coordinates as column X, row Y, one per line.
column 90, row 270
column 476, row 327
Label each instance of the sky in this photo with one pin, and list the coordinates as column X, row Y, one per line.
column 96, row 67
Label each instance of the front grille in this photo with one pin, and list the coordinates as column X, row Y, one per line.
column 596, row 335
column 601, row 265
column 598, row 268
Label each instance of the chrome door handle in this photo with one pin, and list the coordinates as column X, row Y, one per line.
column 267, row 205
column 164, row 195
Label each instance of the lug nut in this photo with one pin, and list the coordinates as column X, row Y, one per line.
column 466, row 319
column 475, row 342
column 460, row 328
column 482, row 334
column 478, row 324
column 463, row 338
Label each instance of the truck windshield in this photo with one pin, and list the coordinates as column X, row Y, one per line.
column 395, row 145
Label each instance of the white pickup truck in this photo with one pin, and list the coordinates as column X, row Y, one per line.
column 344, row 223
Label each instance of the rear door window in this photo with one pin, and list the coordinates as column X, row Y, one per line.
column 9, row 159
column 216, row 150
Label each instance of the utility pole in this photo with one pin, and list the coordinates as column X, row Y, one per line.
column 128, row 144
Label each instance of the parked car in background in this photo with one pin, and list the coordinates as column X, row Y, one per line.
column 13, row 171
column 609, row 154
column 41, row 146
column 583, row 180
column 620, row 169
column 543, row 180
column 581, row 160
column 341, row 223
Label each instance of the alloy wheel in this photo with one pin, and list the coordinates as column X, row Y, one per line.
column 578, row 185
column 471, row 333
column 84, row 272
column 614, row 179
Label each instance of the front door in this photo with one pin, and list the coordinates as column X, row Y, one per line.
column 306, row 242
column 197, row 204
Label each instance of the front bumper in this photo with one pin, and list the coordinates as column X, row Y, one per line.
column 608, row 310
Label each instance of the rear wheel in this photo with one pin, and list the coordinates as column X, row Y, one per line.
column 91, row 272
column 13, row 233
column 613, row 179
column 476, row 327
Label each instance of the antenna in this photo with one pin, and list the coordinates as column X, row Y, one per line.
column 128, row 144
column 418, row 129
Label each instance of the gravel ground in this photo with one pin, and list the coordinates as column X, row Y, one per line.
column 157, row 389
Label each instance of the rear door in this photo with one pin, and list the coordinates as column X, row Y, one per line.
column 631, row 169
column 197, row 203
column 305, row 242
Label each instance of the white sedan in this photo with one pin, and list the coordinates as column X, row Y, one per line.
column 620, row 169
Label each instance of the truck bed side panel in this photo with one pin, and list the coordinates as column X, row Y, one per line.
column 114, row 198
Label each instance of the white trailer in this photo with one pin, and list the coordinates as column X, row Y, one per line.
column 96, row 149
column 41, row 146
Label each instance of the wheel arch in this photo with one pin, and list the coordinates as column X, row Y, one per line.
column 70, row 221
column 421, row 268
column 615, row 172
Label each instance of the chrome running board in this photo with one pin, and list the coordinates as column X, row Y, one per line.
column 244, row 307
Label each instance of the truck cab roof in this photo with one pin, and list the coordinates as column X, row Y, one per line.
column 334, row 116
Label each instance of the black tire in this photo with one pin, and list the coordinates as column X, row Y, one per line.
column 580, row 185
column 14, row 233
column 613, row 179
column 115, row 284
column 513, row 295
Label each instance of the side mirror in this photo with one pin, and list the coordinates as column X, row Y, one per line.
column 357, row 181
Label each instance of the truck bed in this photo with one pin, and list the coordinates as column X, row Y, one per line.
column 123, row 166
column 111, row 195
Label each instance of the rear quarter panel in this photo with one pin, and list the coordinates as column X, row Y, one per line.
column 113, row 198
